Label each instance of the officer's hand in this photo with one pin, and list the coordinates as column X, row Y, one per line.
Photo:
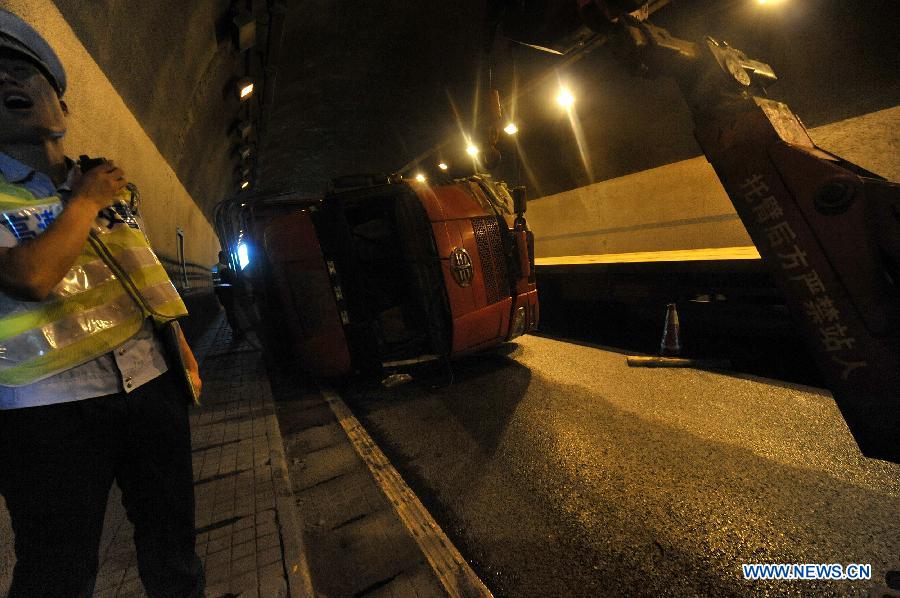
column 98, row 186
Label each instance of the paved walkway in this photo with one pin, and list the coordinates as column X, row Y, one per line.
column 247, row 530
column 246, row 522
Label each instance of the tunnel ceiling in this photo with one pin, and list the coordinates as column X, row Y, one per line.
column 373, row 86
column 364, row 89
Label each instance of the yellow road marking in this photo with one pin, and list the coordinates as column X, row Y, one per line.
column 451, row 568
column 679, row 255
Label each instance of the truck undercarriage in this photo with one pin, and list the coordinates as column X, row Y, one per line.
column 381, row 243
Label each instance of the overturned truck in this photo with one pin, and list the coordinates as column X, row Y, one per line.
column 384, row 272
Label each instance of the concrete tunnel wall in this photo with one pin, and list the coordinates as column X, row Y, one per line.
column 101, row 124
column 683, row 205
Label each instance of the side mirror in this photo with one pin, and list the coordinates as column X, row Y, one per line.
column 520, row 203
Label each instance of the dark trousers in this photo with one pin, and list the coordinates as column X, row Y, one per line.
column 57, row 465
column 226, row 296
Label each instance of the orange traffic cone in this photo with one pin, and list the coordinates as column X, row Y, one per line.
column 670, row 349
column 670, row 345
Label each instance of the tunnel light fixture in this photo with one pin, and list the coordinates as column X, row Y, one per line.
column 245, row 184
column 245, row 88
column 471, row 150
column 565, row 98
column 511, row 129
column 244, row 30
column 420, row 177
column 443, row 166
column 245, row 129
column 244, row 150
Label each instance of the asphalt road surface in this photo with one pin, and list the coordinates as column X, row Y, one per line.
column 559, row 471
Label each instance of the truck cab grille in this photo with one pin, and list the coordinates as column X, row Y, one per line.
column 493, row 258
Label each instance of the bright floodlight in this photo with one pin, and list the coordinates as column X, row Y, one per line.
column 245, row 184
column 420, row 177
column 511, row 129
column 243, row 256
column 443, row 166
column 565, row 98
column 471, row 150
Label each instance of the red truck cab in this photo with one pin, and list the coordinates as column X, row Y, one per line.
column 396, row 272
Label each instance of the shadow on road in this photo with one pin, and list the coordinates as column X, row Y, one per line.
column 480, row 392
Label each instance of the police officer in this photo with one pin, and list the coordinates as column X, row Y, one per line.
column 86, row 394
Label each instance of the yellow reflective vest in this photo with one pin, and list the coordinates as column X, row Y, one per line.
column 115, row 283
